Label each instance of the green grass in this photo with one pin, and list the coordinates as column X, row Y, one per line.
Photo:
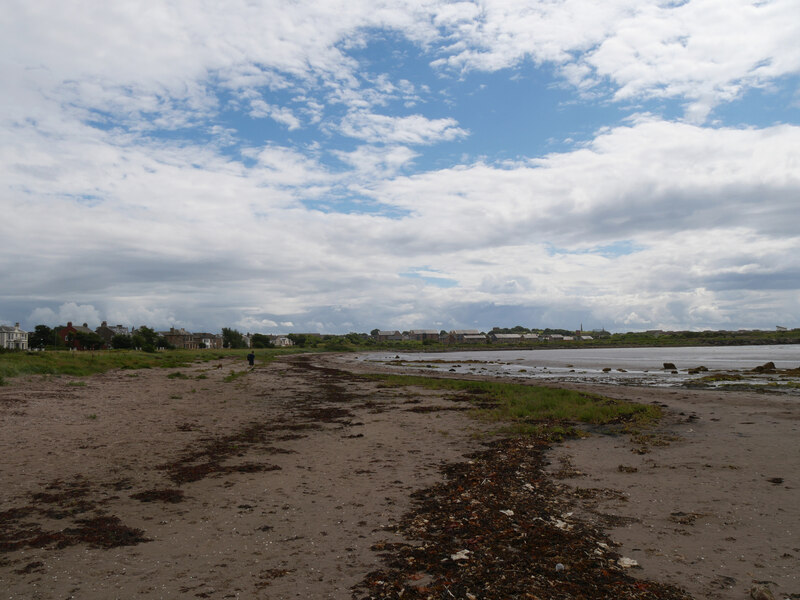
column 233, row 376
column 177, row 375
column 532, row 409
column 82, row 364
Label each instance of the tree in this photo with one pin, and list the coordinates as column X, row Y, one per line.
column 298, row 339
column 148, row 340
column 121, row 342
column 232, row 338
column 375, row 332
column 88, row 340
column 42, row 336
column 259, row 340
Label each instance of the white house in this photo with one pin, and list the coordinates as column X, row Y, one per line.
column 13, row 338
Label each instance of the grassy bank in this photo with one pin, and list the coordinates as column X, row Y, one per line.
column 81, row 364
column 534, row 409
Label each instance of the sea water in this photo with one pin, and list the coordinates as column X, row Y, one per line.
column 643, row 366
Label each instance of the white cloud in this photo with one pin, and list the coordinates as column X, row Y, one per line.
column 413, row 129
column 705, row 51
column 377, row 161
column 77, row 314
column 281, row 114
column 182, row 230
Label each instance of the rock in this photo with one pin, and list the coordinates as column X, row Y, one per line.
column 670, row 367
column 607, row 369
column 559, row 567
column 768, row 367
column 460, row 555
column 761, row 592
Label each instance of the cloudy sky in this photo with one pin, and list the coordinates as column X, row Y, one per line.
column 341, row 165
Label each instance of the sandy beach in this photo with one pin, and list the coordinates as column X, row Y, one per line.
column 296, row 480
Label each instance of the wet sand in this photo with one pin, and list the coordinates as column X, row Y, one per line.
column 286, row 482
column 709, row 500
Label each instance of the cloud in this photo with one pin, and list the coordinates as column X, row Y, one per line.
column 704, row 51
column 377, row 161
column 414, row 129
column 281, row 114
column 72, row 312
column 139, row 176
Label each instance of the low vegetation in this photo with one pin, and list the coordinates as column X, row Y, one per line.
column 82, row 364
column 535, row 409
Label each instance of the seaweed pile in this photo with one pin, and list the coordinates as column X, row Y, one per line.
column 497, row 529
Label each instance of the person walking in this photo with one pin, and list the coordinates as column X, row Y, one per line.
column 251, row 358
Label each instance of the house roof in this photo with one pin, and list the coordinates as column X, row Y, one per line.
column 83, row 328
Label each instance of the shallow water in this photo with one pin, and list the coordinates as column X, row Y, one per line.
column 643, row 366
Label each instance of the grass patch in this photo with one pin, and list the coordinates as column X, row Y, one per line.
column 233, row 376
column 533, row 409
column 177, row 375
column 82, row 364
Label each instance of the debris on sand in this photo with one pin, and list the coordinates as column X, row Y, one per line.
column 496, row 529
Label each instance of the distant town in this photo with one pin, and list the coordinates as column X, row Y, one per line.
column 117, row 337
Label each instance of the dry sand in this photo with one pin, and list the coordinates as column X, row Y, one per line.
column 289, row 474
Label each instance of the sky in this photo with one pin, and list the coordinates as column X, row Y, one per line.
column 344, row 165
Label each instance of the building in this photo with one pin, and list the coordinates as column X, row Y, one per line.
column 13, row 338
column 421, row 335
column 107, row 332
column 280, row 341
column 506, row 337
column 67, row 334
column 458, row 335
column 207, row 340
column 478, row 338
column 180, row 338
column 389, row 336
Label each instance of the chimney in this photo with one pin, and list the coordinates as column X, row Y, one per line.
column 16, row 325
column 103, row 324
column 69, row 323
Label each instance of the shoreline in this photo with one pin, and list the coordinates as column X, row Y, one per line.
column 289, row 478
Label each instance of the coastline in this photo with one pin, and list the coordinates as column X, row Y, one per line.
column 708, row 500
column 288, row 479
